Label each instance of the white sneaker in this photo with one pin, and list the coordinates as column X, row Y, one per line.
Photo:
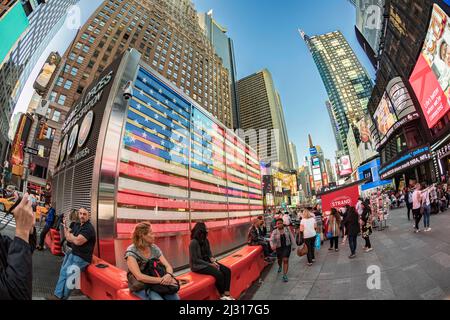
column 369, row 249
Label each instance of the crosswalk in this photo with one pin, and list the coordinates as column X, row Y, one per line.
column 8, row 219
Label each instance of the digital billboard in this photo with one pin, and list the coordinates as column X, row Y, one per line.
column 430, row 78
column 42, row 81
column 369, row 21
column 345, row 166
column 369, row 172
column 384, row 115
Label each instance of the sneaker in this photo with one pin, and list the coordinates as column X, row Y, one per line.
column 313, row 260
column 285, row 278
column 429, row 229
column 309, row 264
column 352, row 256
column 330, row 249
column 280, row 269
column 224, row 298
column 368, row 249
column 336, row 250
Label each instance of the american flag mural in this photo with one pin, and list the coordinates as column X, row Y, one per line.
column 179, row 166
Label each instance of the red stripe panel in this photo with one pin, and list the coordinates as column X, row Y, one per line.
column 254, row 175
column 127, row 228
column 152, row 175
column 254, row 185
column 235, row 166
column 256, row 207
column 219, row 174
column 146, row 201
column 236, row 179
column 240, row 220
column 255, row 196
column 217, row 143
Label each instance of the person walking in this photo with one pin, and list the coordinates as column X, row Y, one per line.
column 202, row 261
column 351, row 223
column 417, row 205
column 366, row 226
column 48, row 224
column 282, row 242
column 309, row 226
column 334, row 224
column 344, row 213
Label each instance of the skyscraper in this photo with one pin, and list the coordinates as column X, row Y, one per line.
column 223, row 46
column 330, row 171
column 262, row 118
column 293, row 151
column 334, row 124
column 45, row 18
column 168, row 36
column 346, row 81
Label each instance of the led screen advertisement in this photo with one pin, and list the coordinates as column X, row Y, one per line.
column 384, row 115
column 369, row 172
column 345, row 166
column 43, row 80
column 12, row 25
column 430, row 79
column 340, row 197
column 369, row 20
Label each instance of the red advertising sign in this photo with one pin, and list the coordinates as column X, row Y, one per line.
column 340, row 198
column 431, row 76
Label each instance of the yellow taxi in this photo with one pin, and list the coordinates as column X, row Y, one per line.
column 6, row 203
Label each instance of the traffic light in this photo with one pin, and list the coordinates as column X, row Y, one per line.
column 43, row 131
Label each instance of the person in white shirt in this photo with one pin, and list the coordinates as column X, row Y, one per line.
column 417, row 204
column 286, row 219
column 308, row 226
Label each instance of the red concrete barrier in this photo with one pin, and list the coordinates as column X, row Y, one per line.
column 110, row 283
column 53, row 242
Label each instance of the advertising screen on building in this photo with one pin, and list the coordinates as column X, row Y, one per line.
column 340, row 197
column 345, row 166
column 369, row 172
column 42, row 81
column 369, row 20
column 431, row 76
column 384, row 116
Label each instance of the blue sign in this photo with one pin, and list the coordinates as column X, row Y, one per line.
column 313, row 151
column 370, row 171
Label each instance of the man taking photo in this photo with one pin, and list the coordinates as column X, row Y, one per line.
column 16, row 269
column 81, row 236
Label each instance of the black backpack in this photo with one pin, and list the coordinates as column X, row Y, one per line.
column 154, row 268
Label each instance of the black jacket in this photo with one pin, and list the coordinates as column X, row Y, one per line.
column 16, row 269
column 199, row 255
column 351, row 222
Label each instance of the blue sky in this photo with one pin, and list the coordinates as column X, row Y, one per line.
column 265, row 36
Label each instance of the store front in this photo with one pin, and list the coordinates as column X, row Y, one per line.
column 441, row 154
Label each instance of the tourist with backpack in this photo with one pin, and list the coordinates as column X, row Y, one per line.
column 202, row 261
column 150, row 275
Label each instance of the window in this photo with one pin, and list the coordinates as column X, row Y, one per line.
column 68, row 85
column 53, row 96
column 56, row 116
column 74, row 71
column 60, row 81
column 80, row 59
column 62, row 99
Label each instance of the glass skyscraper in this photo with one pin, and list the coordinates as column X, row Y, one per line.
column 45, row 19
column 346, row 81
column 223, row 46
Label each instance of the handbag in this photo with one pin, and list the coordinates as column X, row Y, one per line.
column 329, row 235
column 302, row 250
column 154, row 268
column 318, row 241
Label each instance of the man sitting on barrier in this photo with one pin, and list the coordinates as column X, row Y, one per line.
column 256, row 238
column 201, row 261
column 82, row 239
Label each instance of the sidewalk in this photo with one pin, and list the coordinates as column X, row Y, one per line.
column 413, row 266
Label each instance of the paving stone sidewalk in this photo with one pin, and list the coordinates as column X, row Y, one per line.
column 413, row 266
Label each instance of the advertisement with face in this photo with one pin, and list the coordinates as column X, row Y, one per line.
column 43, row 80
column 384, row 116
column 345, row 166
column 431, row 76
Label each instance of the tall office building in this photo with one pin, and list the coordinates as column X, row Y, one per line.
column 346, row 81
column 334, row 124
column 262, row 115
column 166, row 33
column 294, row 157
column 45, row 19
column 223, row 46
column 330, row 171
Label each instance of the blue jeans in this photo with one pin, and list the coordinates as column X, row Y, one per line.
column 152, row 295
column 426, row 216
column 62, row 291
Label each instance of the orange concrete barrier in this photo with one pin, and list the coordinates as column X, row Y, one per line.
column 53, row 242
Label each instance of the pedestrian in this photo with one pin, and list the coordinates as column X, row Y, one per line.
column 16, row 269
column 82, row 240
column 417, row 206
column 48, row 224
column 344, row 213
column 334, row 224
column 138, row 255
column 366, row 226
column 282, row 242
column 408, row 201
column 202, row 261
column 426, row 204
column 309, row 226
column 351, row 223
column 287, row 219
column 359, row 207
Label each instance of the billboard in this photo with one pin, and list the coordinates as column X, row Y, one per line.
column 394, row 110
column 369, row 21
column 430, row 78
column 370, row 172
column 340, row 197
column 407, row 161
column 345, row 166
column 42, row 81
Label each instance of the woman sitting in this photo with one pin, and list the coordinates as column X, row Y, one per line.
column 201, row 261
column 139, row 254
